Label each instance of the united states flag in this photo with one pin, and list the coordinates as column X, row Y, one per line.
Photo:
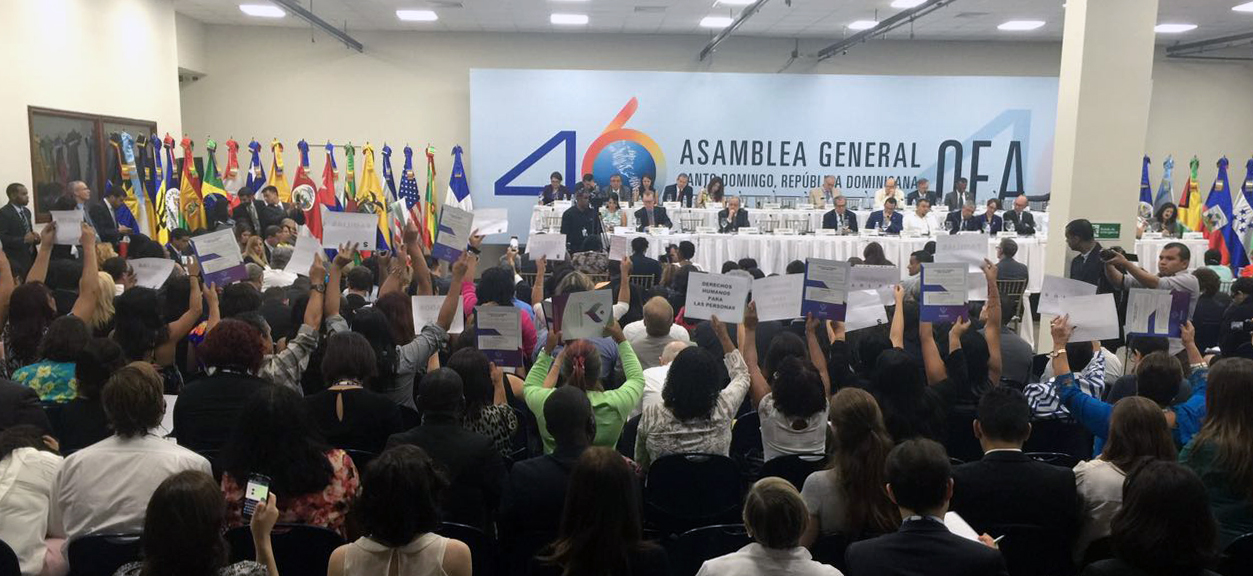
column 409, row 187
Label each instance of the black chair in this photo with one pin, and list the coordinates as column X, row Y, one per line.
column 626, row 440
column 685, row 491
column 746, row 447
column 1237, row 558
column 482, row 546
column 1060, row 436
column 8, row 561
column 794, row 468
column 299, row 549
column 694, row 547
column 830, row 549
column 518, row 551
column 1054, row 458
column 955, row 461
column 53, row 411
column 360, row 458
column 1099, row 549
column 101, row 554
column 1031, row 550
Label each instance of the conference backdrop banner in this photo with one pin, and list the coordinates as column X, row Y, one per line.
column 764, row 134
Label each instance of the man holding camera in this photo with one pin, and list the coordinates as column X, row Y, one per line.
column 1172, row 272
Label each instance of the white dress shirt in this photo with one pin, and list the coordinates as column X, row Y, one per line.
column 920, row 225
column 757, row 560
column 105, row 487
column 636, row 331
column 654, row 383
column 881, row 196
column 26, row 479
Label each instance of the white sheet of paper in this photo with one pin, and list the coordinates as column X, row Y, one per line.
column 723, row 295
column 348, row 227
column 1055, row 290
column 455, row 227
column 833, row 274
column 1095, row 317
column 778, row 297
column 620, row 245
column 307, row 247
column 69, row 230
column 217, row 250
column 586, row 314
column 1142, row 303
column 865, row 309
column 502, row 319
column 977, row 287
column 551, row 246
column 958, row 526
column 426, row 311
column 151, row 272
column 969, row 248
column 491, row 221
column 878, row 278
column 951, row 277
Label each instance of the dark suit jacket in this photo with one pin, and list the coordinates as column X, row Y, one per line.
column 659, row 216
column 1091, row 271
column 13, row 236
column 932, row 197
column 641, row 264
column 241, row 214
column 725, row 225
column 548, row 195
column 952, row 202
column 535, row 493
column 1008, row 488
column 923, row 547
column 208, row 408
column 102, row 217
column 875, row 222
column 1024, row 224
column 831, row 222
column 672, row 193
column 956, row 224
column 1010, row 269
column 20, row 405
column 993, row 227
column 270, row 216
column 472, row 464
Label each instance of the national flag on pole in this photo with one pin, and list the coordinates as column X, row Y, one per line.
column 370, row 198
column 1243, row 208
column 326, row 195
column 277, row 178
column 154, row 176
column 256, row 174
column 395, row 209
column 136, row 198
column 1165, row 190
column 232, row 176
column 1218, row 213
column 349, row 200
column 304, row 189
column 408, row 192
column 388, row 180
column 458, row 187
column 1190, row 206
column 1146, row 192
column 430, row 214
column 191, row 203
column 167, row 193
column 211, row 188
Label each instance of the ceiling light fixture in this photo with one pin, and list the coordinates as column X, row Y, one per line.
column 902, row 4
column 568, row 19
column 862, row 24
column 1173, row 28
column 1246, row 7
column 417, row 15
column 736, row 2
column 262, row 10
column 1021, row 25
column 715, row 22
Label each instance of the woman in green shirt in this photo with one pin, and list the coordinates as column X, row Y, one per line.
column 1222, row 452
column 579, row 366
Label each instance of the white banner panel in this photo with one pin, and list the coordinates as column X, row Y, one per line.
column 764, row 134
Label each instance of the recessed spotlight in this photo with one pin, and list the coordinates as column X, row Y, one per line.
column 906, row 3
column 1246, row 7
column 262, row 10
column 862, row 24
column 1019, row 25
column 1173, row 28
column 715, row 22
column 417, row 15
column 568, row 19
column 736, row 2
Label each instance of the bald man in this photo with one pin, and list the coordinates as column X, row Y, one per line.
column 889, row 190
column 655, row 377
column 1019, row 219
column 649, row 336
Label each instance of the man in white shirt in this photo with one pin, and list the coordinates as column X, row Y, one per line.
column 919, row 221
column 824, row 194
column 655, row 377
column 889, row 190
column 105, row 487
column 648, row 337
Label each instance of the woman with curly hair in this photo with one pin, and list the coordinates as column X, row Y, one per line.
column 207, row 407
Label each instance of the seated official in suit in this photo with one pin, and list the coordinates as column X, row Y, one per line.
column 960, row 197
column 1019, row 219
column 919, row 482
column 826, row 194
column 1008, row 488
column 989, row 222
column 924, row 191
column 1006, row 267
column 651, row 214
column 887, row 220
column 840, row 217
column 680, row 192
column 733, row 217
column 555, row 190
column 962, row 220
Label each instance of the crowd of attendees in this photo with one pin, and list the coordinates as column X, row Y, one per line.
column 385, row 433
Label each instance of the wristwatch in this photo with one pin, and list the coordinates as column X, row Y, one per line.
column 1056, row 353
column 318, row 288
column 474, row 250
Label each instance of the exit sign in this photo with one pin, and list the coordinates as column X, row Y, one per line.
column 1106, row 230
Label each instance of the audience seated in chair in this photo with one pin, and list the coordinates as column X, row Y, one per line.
column 28, row 467
column 775, row 516
column 350, row 413
column 487, row 408
column 1222, row 452
column 792, row 401
column 208, row 408
column 83, row 421
column 648, row 337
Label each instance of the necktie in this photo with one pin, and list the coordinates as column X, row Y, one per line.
column 651, row 220
column 252, row 213
column 25, row 218
column 87, row 218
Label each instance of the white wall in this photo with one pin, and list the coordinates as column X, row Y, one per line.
column 413, row 87
column 114, row 57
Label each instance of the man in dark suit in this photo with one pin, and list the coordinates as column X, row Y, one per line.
column 97, row 215
column 962, row 220
column 651, row 214
column 680, row 191
column 470, row 460
column 839, row 218
column 989, row 222
column 733, row 217
column 180, row 245
column 887, row 220
column 956, row 199
column 924, row 191
column 641, row 264
column 1088, row 265
column 17, row 229
column 1019, row 219
column 247, row 210
column 271, row 211
column 1006, row 267
column 1007, row 488
column 919, row 482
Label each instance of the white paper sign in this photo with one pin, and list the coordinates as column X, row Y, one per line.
column 1094, row 317
column 878, row 278
column 69, row 229
column 865, row 310
column 551, row 246
column 499, row 334
column 951, row 281
column 977, row 287
column 348, row 227
column 620, row 246
column 826, row 286
column 455, row 227
column 1056, row 291
column 220, row 259
column 778, row 297
column 586, row 314
column 426, row 311
column 307, row 247
column 491, row 221
column 710, row 294
column 969, row 248
column 151, row 272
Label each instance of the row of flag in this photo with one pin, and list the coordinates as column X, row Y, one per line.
column 160, row 195
column 1226, row 216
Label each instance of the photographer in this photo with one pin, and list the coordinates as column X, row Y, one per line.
column 1172, row 272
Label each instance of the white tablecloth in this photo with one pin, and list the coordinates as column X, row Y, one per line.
column 1148, row 251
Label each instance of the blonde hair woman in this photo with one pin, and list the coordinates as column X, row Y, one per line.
column 775, row 517
column 101, row 322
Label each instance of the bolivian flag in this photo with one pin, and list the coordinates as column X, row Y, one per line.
column 190, row 202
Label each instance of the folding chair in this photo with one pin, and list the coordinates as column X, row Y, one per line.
column 299, row 549
column 684, row 491
column 101, row 554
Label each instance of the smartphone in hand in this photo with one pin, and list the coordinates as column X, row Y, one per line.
column 257, row 491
